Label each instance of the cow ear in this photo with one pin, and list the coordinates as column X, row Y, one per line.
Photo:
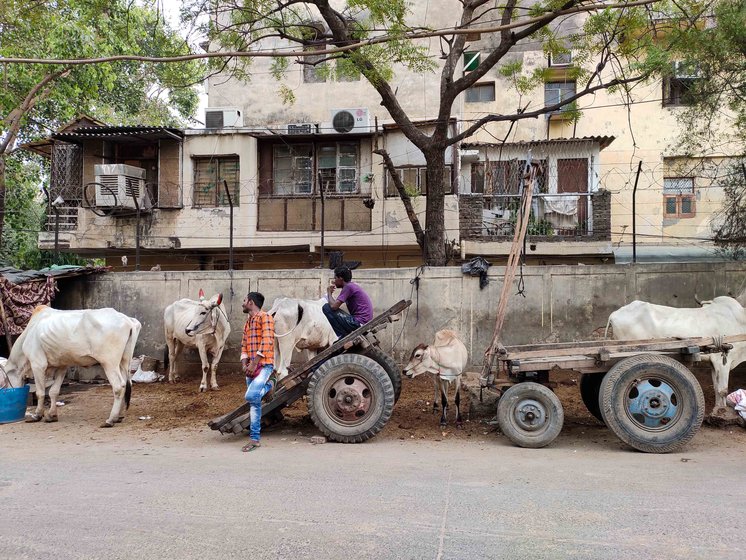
column 201, row 294
column 220, row 299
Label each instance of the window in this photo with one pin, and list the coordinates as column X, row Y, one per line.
column 209, row 174
column 678, row 197
column 416, row 179
column 292, row 169
column 314, row 73
column 480, row 93
column 560, row 59
column 678, row 89
column 336, row 168
column 557, row 92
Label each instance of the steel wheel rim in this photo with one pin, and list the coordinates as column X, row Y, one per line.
column 652, row 403
column 349, row 399
column 530, row 415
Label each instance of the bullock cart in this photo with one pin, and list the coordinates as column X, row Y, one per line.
column 351, row 386
column 642, row 390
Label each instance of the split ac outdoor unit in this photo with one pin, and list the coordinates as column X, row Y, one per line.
column 223, row 117
column 301, row 128
column 117, row 184
column 348, row 120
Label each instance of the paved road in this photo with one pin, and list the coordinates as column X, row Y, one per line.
column 196, row 496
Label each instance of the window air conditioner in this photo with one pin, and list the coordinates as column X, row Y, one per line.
column 301, row 128
column 347, row 120
column 223, row 117
column 116, row 184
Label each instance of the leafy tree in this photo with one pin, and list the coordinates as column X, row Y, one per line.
column 37, row 98
column 614, row 48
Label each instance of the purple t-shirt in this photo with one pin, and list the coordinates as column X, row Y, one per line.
column 357, row 302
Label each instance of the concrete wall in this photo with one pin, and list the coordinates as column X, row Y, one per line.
column 561, row 303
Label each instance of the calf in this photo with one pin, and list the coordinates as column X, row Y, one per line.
column 446, row 359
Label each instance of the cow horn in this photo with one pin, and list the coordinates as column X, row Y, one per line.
column 220, row 299
column 697, row 300
column 201, row 294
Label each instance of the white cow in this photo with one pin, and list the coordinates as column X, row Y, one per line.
column 55, row 340
column 301, row 324
column 199, row 324
column 446, row 359
column 722, row 316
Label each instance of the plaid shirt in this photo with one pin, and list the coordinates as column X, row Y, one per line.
column 259, row 338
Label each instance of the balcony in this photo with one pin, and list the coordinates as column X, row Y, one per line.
column 554, row 217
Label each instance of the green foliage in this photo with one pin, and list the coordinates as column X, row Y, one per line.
column 121, row 92
column 729, row 224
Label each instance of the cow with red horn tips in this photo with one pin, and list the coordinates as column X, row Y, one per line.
column 201, row 324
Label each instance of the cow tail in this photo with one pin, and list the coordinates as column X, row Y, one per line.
column 127, row 394
column 300, row 314
column 606, row 332
column 129, row 351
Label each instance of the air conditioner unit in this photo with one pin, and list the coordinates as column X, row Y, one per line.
column 301, row 128
column 223, row 117
column 117, row 184
column 347, row 120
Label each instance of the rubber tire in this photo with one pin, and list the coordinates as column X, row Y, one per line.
column 616, row 384
column 590, row 392
column 389, row 365
column 374, row 376
column 512, row 397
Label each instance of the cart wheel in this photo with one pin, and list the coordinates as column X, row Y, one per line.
column 590, row 389
column 530, row 415
column 350, row 398
column 652, row 403
column 389, row 365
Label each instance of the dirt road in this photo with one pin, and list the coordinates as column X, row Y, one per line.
column 147, row 489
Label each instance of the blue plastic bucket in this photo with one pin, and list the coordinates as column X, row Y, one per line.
column 13, row 404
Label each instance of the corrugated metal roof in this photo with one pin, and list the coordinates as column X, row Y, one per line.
column 603, row 142
column 17, row 276
column 120, row 132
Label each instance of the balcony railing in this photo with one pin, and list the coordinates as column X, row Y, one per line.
column 565, row 215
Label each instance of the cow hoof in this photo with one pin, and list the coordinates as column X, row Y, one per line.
column 459, row 425
column 50, row 418
column 32, row 418
column 215, row 388
column 120, row 419
column 202, row 389
column 443, row 425
column 722, row 417
column 107, row 424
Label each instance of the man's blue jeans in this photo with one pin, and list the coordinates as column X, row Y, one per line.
column 256, row 389
column 342, row 323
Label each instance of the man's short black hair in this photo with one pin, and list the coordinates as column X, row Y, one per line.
column 257, row 298
column 344, row 273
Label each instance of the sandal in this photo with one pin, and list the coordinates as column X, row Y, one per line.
column 250, row 446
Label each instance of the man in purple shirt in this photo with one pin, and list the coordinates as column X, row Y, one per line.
column 358, row 303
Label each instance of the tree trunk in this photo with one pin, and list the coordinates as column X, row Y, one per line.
column 435, row 234
column 2, row 196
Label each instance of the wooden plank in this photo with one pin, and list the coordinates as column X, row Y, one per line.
column 293, row 386
column 612, row 347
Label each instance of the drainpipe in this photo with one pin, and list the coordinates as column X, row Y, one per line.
column 230, row 203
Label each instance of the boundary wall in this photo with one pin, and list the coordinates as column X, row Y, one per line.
column 558, row 303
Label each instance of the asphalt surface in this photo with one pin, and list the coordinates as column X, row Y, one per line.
column 195, row 495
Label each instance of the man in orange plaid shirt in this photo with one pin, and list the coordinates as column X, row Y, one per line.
column 257, row 360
